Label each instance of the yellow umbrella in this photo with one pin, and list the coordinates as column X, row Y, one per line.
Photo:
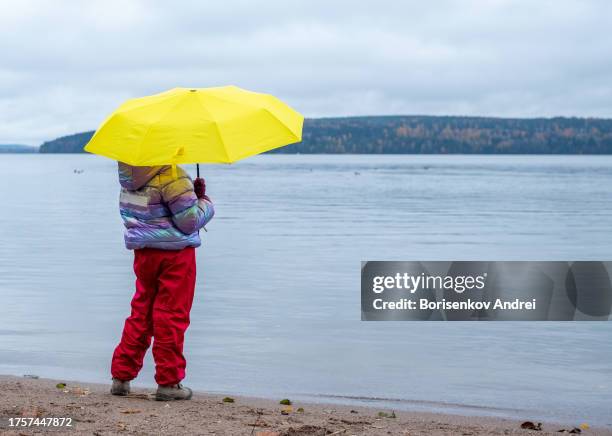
column 196, row 125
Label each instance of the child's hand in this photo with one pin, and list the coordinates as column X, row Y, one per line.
column 199, row 187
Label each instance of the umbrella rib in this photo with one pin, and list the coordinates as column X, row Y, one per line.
column 259, row 108
column 144, row 137
column 227, row 100
column 291, row 133
column 282, row 123
column 215, row 123
column 145, row 101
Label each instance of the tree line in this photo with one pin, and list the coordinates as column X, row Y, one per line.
column 430, row 135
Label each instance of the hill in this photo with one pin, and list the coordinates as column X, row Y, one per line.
column 67, row 144
column 17, row 148
column 431, row 135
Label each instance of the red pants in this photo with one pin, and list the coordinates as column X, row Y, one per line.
column 165, row 284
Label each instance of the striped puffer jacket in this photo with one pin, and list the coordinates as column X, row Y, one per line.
column 160, row 210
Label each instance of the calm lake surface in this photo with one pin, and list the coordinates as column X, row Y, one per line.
column 277, row 309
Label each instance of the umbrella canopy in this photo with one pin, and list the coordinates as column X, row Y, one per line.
column 196, row 125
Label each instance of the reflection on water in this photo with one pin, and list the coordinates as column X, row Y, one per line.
column 277, row 304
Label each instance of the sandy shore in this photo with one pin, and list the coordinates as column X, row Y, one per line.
column 95, row 412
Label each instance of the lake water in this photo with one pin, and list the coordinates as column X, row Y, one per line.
column 277, row 309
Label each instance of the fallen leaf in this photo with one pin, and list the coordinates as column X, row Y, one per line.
column 228, row 400
column 130, row 411
column 60, row 385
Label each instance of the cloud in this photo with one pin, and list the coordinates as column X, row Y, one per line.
column 66, row 64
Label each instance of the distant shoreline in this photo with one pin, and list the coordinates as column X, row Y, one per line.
column 358, row 154
column 412, row 135
column 428, row 135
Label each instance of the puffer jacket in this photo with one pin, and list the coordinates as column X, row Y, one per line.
column 159, row 210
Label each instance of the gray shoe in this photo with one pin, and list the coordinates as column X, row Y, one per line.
column 120, row 387
column 171, row 393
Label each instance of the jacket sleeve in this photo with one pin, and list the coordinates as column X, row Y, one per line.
column 189, row 214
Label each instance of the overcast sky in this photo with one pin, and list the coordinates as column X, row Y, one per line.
column 64, row 65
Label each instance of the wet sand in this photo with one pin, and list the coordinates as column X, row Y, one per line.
column 95, row 412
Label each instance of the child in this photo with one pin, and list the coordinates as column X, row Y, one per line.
column 163, row 213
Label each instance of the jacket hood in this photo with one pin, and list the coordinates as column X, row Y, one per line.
column 133, row 178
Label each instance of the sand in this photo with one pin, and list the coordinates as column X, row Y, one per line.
column 95, row 412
